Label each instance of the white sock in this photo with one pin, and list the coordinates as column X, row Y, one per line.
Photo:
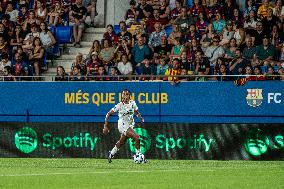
column 114, row 150
column 138, row 151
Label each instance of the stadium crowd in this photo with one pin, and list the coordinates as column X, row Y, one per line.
column 158, row 39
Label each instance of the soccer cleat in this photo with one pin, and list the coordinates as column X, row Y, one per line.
column 145, row 161
column 109, row 157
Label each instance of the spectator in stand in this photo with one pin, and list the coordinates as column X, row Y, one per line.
column 96, row 47
column 79, row 62
column 162, row 68
column 125, row 67
column 250, row 50
column 258, row 75
column 40, row 10
column 18, row 37
column 184, row 21
column 227, row 33
column 107, row 54
column 173, row 71
column 11, row 12
column 176, row 12
column 76, row 74
column 222, row 74
column 164, row 10
column 265, row 53
column 114, row 74
column 92, row 10
column 262, row 10
column 20, row 68
column 8, row 74
column 269, row 21
column 23, row 13
column 124, row 34
column 6, row 28
column 147, row 69
column 278, row 10
column 139, row 52
column 230, row 52
column 56, row 14
column 143, row 10
column 196, row 10
column 60, row 74
column 121, row 49
column 212, row 9
column 47, row 39
column 150, row 23
column 176, row 33
column 238, row 19
column 259, row 34
column 271, row 74
column 4, row 62
column 4, row 48
column 214, row 51
column 250, row 22
column 164, row 49
column 155, row 37
column 177, row 49
column 228, row 9
column 277, row 38
column 185, row 63
column 137, row 33
column 238, row 64
column 30, row 21
column 201, row 23
column 207, row 38
column 77, row 16
column 110, row 34
column 219, row 24
column 36, row 56
column 250, row 6
column 28, row 41
column 202, row 66
column 102, row 74
column 130, row 15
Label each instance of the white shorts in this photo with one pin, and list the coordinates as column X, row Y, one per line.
column 123, row 127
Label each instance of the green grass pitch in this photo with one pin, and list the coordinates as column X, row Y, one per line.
column 97, row 173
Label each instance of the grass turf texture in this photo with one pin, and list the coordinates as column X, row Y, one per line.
column 97, row 173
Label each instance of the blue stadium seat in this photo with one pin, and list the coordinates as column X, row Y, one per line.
column 276, row 68
column 63, row 34
column 116, row 29
column 168, row 30
column 263, row 69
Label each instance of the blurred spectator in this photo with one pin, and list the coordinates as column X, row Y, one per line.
column 60, row 74
column 77, row 17
column 124, row 66
column 4, row 48
column 92, row 10
column 96, row 47
column 249, row 50
column 229, row 8
column 93, row 64
column 79, row 62
column 151, row 22
column 250, row 6
column 155, row 37
column 130, row 15
column 143, row 10
column 227, row 33
column 76, row 74
column 110, row 34
column 147, row 69
column 56, row 14
column 269, row 21
column 184, row 21
column 47, row 39
column 177, row 48
column 176, row 12
column 20, row 68
column 164, row 10
column 4, row 62
column 139, row 52
column 107, row 53
column 207, row 38
column 238, row 64
column 173, row 71
column 265, row 52
column 137, row 33
column 230, row 51
column 36, row 56
column 40, row 10
column 114, row 74
column 222, row 74
column 250, row 22
column 11, row 11
column 28, row 41
column 30, row 21
column 175, row 33
column 258, row 75
column 164, row 49
column 201, row 23
column 262, row 10
column 124, row 34
column 239, row 35
column 8, row 74
column 162, row 68
column 202, row 65
column 214, row 51
column 102, row 75
column 197, row 9
column 18, row 37
column 259, row 34
column 218, row 23
column 271, row 74
column 278, row 9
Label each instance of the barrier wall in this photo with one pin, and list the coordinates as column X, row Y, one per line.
column 189, row 102
column 158, row 141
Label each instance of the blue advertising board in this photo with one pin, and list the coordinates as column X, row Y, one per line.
column 186, row 102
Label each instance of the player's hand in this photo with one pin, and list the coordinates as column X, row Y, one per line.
column 105, row 130
column 142, row 120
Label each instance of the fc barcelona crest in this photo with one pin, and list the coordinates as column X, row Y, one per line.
column 254, row 97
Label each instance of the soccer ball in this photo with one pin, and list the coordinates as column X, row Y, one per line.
column 138, row 158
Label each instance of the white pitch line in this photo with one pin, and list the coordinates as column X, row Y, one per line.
column 93, row 172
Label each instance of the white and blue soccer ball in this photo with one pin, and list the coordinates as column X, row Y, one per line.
column 138, row 158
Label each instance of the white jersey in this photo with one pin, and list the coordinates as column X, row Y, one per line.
column 126, row 112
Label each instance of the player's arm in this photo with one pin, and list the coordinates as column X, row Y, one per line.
column 137, row 113
column 106, row 128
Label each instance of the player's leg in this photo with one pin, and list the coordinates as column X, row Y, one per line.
column 130, row 133
column 117, row 146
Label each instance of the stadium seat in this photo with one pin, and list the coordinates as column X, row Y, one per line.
column 116, row 29
column 276, row 68
column 168, row 30
column 63, row 34
column 263, row 69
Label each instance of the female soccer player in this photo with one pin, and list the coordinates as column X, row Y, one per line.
column 126, row 110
